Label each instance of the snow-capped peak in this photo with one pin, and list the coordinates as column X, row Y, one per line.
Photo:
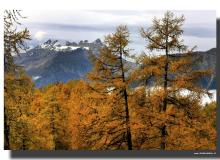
column 49, row 41
column 58, row 46
column 97, row 42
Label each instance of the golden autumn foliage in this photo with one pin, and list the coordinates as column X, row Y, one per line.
column 108, row 79
column 18, row 97
column 171, row 74
column 117, row 107
column 14, row 39
column 83, row 120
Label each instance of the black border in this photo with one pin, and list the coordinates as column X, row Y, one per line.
column 135, row 153
column 111, row 154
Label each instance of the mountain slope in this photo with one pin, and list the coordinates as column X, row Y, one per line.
column 207, row 61
column 48, row 63
column 53, row 62
column 61, row 66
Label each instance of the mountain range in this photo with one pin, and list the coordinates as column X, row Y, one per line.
column 53, row 61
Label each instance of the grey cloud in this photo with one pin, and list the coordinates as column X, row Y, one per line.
column 71, row 27
column 122, row 12
column 199, row 26
column 201, row 32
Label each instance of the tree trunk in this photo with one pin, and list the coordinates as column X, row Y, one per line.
column 6, row 132
column 52, row 123
column 129, row 142
column 164, row 107
column 163, row 137
column 24, row 147
column 127, row 117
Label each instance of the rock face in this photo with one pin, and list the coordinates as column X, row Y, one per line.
column 207, row 61
column 201, row 61
column 53, row 62
column 53, row 67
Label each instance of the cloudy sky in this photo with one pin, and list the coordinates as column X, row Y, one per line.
column 75, row 25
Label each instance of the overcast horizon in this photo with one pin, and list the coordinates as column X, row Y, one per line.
column 199, row 27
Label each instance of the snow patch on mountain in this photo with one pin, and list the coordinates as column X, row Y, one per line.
column 68, row 48
column 205, row 99
column 55, row 45
column 36, row 78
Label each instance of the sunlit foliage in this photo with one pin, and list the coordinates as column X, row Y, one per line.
column 117, row 106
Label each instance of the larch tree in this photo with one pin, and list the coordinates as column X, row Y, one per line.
column 84, row 121
column 57, row 114
column 42, row 138
column 109, row 78
column 18, row 93
column 14, row 39
column 52, row 118
column 171, row 72
column 14, row 42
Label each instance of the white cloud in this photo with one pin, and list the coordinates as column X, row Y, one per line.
column 40, row 35
column 75, row 25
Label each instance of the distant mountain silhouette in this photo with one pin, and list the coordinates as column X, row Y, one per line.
column 53, row 62
column 207, row 61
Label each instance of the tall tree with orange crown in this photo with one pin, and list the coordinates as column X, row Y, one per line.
column 171, row 71
column 109, row 78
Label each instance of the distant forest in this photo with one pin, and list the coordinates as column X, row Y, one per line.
column 105, row 111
